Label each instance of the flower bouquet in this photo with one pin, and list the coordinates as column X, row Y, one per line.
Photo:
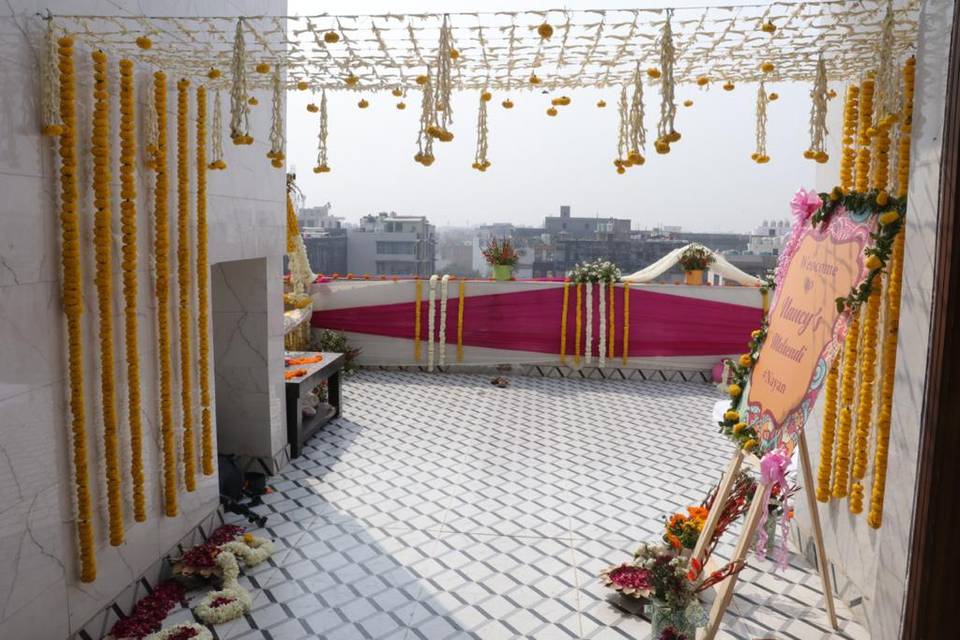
column 777, row 511
column 502, row 257
column 595, row 271
column 694, row 260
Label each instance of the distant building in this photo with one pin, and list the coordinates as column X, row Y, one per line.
column 568, row 226
column 319, row 218
column 327, row 251
column 392, row 245
column 456, row 258
column 768, row 238
column 528, row 242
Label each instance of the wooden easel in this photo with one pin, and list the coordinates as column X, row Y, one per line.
column 747, row 536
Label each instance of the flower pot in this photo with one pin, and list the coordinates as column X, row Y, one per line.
column 694, row 276
column 770, row 526
column 662, row 617
column 502, row 271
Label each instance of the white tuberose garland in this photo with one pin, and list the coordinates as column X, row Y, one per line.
column 444, row 291
column 602, row 353
column 588, row 333
column 200, row 632
column 431, row 321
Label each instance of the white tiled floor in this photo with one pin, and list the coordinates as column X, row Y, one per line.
column 442, row 507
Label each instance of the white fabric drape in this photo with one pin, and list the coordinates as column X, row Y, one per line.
column 719, row 265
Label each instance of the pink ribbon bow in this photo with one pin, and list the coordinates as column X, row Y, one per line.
column 805, row 204
column 773, row 470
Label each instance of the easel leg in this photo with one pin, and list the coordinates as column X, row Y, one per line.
column 723, row 492
column 822, row 562
column 747, row 536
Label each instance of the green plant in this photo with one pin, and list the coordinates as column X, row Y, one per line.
column 696, row 257
column 336, row 342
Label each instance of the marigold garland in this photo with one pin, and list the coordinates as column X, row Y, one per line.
column 72, row 295
column 564, row 307
column 103, row 279
column 417, row 300
column 578, row 326
column 906, row 128
column 203, row 268
column 842, row 465
column 849, row 152
column 463, row 287
column 868, row 373
column 626, row 322
column 161, row 248
column 183, row 283
column 865, row 132
column 128, row 223
column 856, row 497
column 828, row 432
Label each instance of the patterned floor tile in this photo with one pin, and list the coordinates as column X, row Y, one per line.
column 442, row 508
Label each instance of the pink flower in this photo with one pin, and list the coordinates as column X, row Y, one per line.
column 805, row 203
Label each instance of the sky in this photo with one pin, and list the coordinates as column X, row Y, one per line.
column 706, row 183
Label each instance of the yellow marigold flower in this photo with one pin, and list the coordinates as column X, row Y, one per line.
column 331, row 37
column 730, row 414
column 750, row 445
column 746, row 360
column 773, row 96
column 486, row 96
column 873, row 262
column 768, row 27
column 422, row 79
column 821, row 157
column 551, row 112
column 889, row 217
column 144, row 42
column 728, row 86
column 767, row 67
column 352, row 80
column 213, row 74
column 755, row 334
column 703, row 81
column 534, row 79
column 507, row 104
column 401, row 105
column 688, row 103
column 882, row 199
column 303, row 85
column 363, row 104
column 653, row 72
column 263, row 67
column 740, row 426
column 253, row 101
column 545, row 30
column 312, row 108
column 734, row 390
column 601, row 104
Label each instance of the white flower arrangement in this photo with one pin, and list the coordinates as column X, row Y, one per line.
column 431, row 321
column 224, row 605
column 251, row 549
column 199, row 632
column 602, row 355
column 588, row 329
column 442, row 339
column 595, row 271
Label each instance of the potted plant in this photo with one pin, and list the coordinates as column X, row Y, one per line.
column 694, row 261
column 502, row 257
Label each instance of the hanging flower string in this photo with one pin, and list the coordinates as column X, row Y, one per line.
column 276, row 153
column 626, row 322
column 128, row 225
column 666, row 131
column 184, row 284
column 216, row 135
column 203, row 297
column 150, row 129
column 480, row 161
column 50, row 86
column 72, row 296
column 424, row 153
column 239, row 106
column 851, row 107
column 847, row 391
column 636, row 135
column 620, row 162
column 760, row 153
column 161, row 248
column 818, row 115
column 322, row 166
column 864, row 133
column 102, row 240
column 828, row 432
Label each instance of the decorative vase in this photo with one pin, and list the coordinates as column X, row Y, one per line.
column 663, row 617
column 502, row 271
column 771, row 528
column 694, row 276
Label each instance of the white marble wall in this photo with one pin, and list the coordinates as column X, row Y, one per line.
column 40, row 595
column 876, row 562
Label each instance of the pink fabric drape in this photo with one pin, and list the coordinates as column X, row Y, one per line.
column 661, row 324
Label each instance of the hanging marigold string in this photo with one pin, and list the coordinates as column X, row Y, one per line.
column 480, row 161
column 626, row 322
column 150, row 130
column 849, row 151
column 621, row 161
column 828, row 432
column 203, row 298
column 183, row 284
column 636, row 134
column 161, row 248
column 128, row 224
column 424, row 153
column 818, row 115
column 102, row 240
column 847, row 382
column 864, row 132
column 868, row 365
column 889, row 352
column 72, row 296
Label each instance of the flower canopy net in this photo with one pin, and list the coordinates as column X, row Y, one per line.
column 565, row 49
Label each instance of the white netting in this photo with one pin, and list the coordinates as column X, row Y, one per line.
column 591, row 48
